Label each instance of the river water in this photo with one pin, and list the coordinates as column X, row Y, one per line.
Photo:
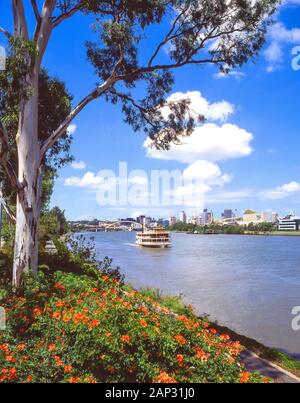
column 248, row 283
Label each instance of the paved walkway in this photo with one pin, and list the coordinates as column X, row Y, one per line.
column 254, row 363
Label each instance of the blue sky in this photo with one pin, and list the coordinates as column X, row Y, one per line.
column 247, row 153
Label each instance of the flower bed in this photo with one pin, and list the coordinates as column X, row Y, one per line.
column 70, row 328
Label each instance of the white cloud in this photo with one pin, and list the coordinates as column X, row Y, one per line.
column 274, row 56
column 238, row 75
column 89, row 181
column 205, row 172
column 218, row 111
column 208, row 142
column 281, row 192
column 71, row 129
column 280, row 36
column 78, row 165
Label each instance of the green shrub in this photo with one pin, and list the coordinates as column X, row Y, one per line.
column 69, row 328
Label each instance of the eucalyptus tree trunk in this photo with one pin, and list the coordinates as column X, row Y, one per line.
column 30, row 176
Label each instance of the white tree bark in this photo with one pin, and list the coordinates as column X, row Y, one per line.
column 28, row 198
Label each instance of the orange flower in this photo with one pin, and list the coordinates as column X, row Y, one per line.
column 94, row 323
column 125, row 339
column 224, row 337
column 165, row 378
column 79, row 317
column 37, row 312
column 58, row 361
column 10, row 358
column 143, row 322
column 66, row 318
column 180, row 359
column 59, row 304
column 201, row 355
column 51, row 347
column 244, row 377
column 180, row 339
column 105, row 278
column 74, row 379
column 21, row 346
column 89, row 379
column 68, row 368
column 59, row 286
column 107, row 334
column 56, row 315
column 29, row 378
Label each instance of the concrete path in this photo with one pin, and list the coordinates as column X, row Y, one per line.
column 254, row 363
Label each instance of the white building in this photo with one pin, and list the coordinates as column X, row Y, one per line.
column 289, row 223
column 205, row 218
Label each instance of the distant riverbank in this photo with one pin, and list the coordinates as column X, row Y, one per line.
column 275, row 233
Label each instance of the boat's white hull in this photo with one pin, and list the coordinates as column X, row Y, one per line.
column 153, row 244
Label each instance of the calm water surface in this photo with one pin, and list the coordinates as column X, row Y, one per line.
column 248, row 283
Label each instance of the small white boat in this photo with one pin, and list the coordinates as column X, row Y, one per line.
column 156, row 237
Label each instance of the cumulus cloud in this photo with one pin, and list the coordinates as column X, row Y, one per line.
column 89, row 180
column 281, row 192
column 208, row 142
column 72, row 129
column 280, row 36
column 205, row 172
column 217, row 111
column 78, row 165
column 238, row 75
column 274, row 56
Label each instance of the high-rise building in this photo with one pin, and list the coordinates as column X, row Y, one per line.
column 274, row 217
column 194, row 220
column 205, row 218
column 172, row 220
column 228, row 213
column 183, row 217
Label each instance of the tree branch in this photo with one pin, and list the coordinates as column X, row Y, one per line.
column 10, row 214
column 96, row 93
column 35, row 10
column 168, row 36
column 20, row 23
column 7, row 166
column 6, row 33
column 56, row 21
column 44, row 29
